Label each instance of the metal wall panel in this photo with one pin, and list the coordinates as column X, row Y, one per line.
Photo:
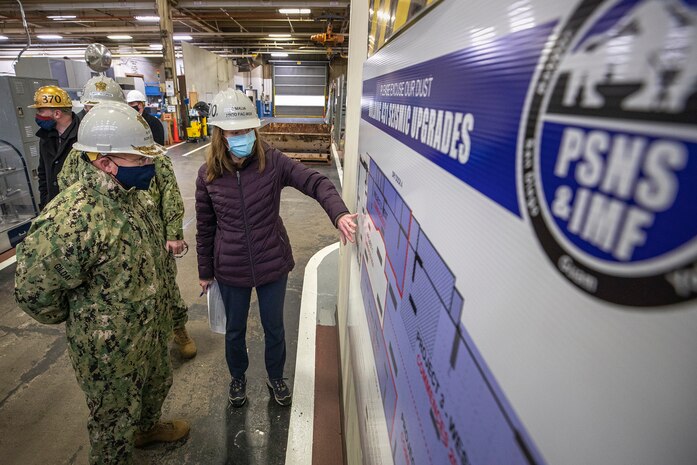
column 17, row 120
column 299, row 90
column 19, row 158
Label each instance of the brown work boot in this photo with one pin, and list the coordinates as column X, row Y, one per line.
column 187, row 347
column 163, row 431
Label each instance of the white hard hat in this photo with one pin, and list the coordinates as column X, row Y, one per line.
column 114, row 127
column 101, row 89
column 135, row 96
column 232, row 110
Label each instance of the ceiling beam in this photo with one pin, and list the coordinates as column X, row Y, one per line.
column 224, row 15
column 197, row 20
column 195, row 4
column 62, row 7
column 201, row 4
column 89, row 31
column 141, row 30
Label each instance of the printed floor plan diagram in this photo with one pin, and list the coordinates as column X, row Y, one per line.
column 441, row 403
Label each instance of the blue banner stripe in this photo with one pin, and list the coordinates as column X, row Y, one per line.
column 462, row 110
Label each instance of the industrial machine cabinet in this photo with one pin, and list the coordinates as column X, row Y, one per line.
column 19, row 158
column 17, row 203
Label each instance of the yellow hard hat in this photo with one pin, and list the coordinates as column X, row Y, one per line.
column 51, row 97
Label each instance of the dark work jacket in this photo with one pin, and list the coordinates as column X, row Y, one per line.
column 53, row 149
column 158, row 132
column 240, row 238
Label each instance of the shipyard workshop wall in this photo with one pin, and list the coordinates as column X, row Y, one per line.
column 524, row 286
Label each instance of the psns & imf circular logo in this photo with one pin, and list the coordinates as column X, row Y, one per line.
column 609, row 156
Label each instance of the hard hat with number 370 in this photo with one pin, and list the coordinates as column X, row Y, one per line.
column 101, row 89
column 232, row 110
column 114, row 127
column 51, row 97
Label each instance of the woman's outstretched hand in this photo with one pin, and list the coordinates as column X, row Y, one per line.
column 347, row 228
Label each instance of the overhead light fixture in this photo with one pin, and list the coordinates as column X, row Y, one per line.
column 49, row 36
column 61, row 17
column 294, row 11
column 279, row 54
column 155, row 46
column 119, row 37
column 279, row 36
column 148, row 19
column 3, row 37
column 182, row 37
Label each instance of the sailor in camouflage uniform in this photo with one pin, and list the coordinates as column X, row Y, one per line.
column 95, row 258
column 168, row 200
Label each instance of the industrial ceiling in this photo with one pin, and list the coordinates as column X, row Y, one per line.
column 131, row 28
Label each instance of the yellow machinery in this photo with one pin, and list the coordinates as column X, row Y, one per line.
column 194, row 130
column 198, row 125
column 197, row 129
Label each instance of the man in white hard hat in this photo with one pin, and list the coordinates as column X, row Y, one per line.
column 136, row 100
column 95, row 258
column 99, row 89
column 172, row 208
column 166, row 195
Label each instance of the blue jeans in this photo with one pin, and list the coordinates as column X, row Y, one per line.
column 236, row 300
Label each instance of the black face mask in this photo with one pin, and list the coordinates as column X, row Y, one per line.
column 135, row 107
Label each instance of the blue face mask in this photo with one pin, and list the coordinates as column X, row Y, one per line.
column 241, row 146
column 135, row 176
column 45, row 122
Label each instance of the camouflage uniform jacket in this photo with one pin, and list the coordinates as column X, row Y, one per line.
column 96, row 256
column 164, row 191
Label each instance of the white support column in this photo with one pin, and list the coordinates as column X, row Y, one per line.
column 358, row 52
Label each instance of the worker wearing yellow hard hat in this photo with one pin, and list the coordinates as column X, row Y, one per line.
column 58, row 127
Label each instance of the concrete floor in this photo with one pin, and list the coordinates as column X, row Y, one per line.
column 42, row 410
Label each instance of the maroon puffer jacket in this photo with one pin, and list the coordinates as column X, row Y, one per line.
column 241, row 240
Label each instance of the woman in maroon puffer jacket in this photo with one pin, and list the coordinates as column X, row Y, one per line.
column 241, row 240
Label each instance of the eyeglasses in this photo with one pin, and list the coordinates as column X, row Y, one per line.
column 140, row 161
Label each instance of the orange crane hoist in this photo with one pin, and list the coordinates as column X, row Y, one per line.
column 329, row 39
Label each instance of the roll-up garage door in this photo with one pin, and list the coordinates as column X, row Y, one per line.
column 299, row 90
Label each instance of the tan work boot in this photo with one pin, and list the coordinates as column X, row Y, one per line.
column 163, row 431
column 187, row 347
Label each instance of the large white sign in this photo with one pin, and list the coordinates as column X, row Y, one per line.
column 528, row 237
